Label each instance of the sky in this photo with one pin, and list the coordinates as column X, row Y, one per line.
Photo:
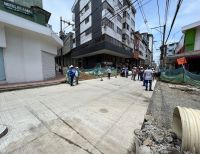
column 188, row 13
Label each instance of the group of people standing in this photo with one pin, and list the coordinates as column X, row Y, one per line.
column 73, row 73
column 145, row 75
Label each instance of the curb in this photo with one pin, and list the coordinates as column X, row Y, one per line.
column 14, row 88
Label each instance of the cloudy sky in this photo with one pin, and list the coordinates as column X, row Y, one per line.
column 188, row 13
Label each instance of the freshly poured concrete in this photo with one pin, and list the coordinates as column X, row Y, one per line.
column 94, row 117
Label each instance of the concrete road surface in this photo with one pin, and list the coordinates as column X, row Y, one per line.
column 94, row 117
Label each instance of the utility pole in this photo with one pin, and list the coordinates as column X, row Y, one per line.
column 163, row 52
column 61, row 50
column 62, row 38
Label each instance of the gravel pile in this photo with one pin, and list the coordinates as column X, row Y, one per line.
column 157, row 140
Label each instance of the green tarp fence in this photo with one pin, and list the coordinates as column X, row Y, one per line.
column 180, row 76
column 97, row 71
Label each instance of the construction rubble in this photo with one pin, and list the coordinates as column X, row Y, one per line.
column 152, row 139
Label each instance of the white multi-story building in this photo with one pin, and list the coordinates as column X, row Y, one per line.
column 27, row 45
column 103, row 32
column 171, row 49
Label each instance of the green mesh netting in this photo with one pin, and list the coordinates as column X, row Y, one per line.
column 180, row 76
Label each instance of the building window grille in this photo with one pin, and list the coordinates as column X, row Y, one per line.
column 88, row 31
column 107, row 22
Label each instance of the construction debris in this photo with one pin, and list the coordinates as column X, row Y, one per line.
column 155, row 140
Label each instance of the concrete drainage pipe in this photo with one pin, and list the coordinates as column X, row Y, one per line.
column 186, row 125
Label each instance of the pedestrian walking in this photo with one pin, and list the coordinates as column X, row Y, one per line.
column 77, row 75
column 148, row 77
column 138, row 72
column 109, row 72
column 134, row 73
column 141, row 73
column 126, row 72
column 71, row 74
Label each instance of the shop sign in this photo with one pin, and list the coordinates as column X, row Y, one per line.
column 17, row 8
column 181, row 61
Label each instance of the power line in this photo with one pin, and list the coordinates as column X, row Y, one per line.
column 175, row 15
column 159, row 18
column 143, row 14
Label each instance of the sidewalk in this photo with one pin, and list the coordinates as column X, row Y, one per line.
column 18, row 86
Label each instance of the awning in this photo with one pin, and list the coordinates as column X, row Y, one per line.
column 185, row 54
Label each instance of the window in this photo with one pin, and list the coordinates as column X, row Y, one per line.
column 132, row 32
column 119, row 31
column 126, row 15
column 119, row 18
column 107, row 22
column 88, row 31
column 87, row 20
column 111, row 11
column 127, row 27
column 124, row 25
column 74, row 41
column 86, row 7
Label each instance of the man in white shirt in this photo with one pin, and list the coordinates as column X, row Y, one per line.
column 109, row 72
column 148, row 77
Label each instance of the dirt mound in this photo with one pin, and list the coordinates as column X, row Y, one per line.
column 85, row 76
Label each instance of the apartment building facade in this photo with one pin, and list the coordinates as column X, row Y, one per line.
column 170, row 51
column 143, row 49
column 103, row 32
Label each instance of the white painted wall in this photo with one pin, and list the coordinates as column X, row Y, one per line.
column 23, row 24
column 85, row 38
column 197, row 40
column 142, row 48
column 22, row 56
column 84, row 26
column 107, row 30
column 2, row 36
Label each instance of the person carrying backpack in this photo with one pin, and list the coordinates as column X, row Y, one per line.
column 71, row 74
